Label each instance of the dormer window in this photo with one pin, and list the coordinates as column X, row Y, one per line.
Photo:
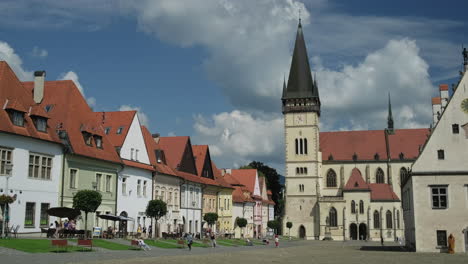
column 98, row 141
column 107, row 130
column 376, row 156
column 17, row 118
column 41, row 123
column 87, row 138
column 402, row 156
column 119, row 130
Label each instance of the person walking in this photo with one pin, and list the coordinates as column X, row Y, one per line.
column 213, row 239
column 276, row 241
column 150, row 231
column 189, row 239
column 381, row 240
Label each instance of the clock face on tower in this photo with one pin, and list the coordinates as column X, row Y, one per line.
column 300, row 119
column 464, row 105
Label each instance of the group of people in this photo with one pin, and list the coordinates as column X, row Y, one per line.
column 141, row 231
column 58, row 227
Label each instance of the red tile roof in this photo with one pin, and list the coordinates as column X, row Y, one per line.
column 245, row 177
column 20, row 99
column 382, row 192
column 114, row 120
column 174, row 148
column 356, row 182
column 220, row 179
column 139, row 165
column 443, row 87
column 150, row 148
column 71, row 113
column 435, row 100
column 342, row 145
column 36, row 110
column 199, row 153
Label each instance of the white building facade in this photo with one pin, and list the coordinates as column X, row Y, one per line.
column 191, row 207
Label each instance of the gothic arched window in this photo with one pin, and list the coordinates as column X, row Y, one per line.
column 379, row 176
column 305, row 146
column 301, row 151
column 398, row 219
column 361, row 207
column 305, row 170
column 331, row 178
column 353, row 207
column 376, row 219
column 297, row 146
column 403, row 175
column 332, row 217
column 389, row 219
column 297, row 170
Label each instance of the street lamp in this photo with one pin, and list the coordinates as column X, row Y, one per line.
column 8, row 174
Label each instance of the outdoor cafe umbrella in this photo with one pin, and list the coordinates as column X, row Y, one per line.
column 115, row 217
column 62, row 212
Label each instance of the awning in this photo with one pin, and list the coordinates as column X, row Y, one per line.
column 115, row 217
column 62, row 212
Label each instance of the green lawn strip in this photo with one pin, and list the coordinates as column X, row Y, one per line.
column 34, row 245
column 108, row 244
column 160, row 243
column 195, row 243
column 228, row 242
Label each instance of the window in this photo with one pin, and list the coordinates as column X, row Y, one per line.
column 297, row 170
column 331, row 178
column 163, row 196
column 379, row 176
column 144, row 189
column 124, row 186
column 301, row 187
column 455, row 129
column 182, row 197
column 139, row 188
column 131, row 153
column 332, row 218
column 301, row 146
column 136, row 154
column 440, row 154
column 5, row 158
column 73, row 173
column 439, row 197
column 301, row 170
column 44, row 216
column 361, row 207
column 441, row 238
column 87, row 138
column 403, row 175
column 353, row 207
column 98, row 181
column 40, row 166
column 305, row 146
column 297, row 147
column 107, row 130
column 376, row 219
column 388, row 217
column 98, row 141
column 41, row 123
column 119, row 130
column 108, row 183
column 398, row 219
column 30, row 214
column 305, row 170
column 17, row 118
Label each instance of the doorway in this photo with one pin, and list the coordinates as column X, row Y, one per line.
column 353, row 231
column 466, row 240
column 302, row 232
column 362, row 231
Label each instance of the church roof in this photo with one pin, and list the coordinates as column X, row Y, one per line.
column 300, row 82
column 356, row 182
column 371, row 144
column 382, row 192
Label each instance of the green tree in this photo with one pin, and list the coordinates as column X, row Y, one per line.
column 289, row 225
column 210, row 218
column 87, row 201
column 273, row 224
column 241, row 222
column 156, row 209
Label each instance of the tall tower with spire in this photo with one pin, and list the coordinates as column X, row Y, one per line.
column 390, row 129
column 301, row 110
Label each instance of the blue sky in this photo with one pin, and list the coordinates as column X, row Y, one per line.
column 213, row 69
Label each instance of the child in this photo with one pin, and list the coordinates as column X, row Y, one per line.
column 189, row 241
column 276, row 241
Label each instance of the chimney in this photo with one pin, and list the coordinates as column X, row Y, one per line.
column 39, row 78
column 436, row 109
column 156, row 137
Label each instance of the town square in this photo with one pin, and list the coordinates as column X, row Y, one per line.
column 207, row 131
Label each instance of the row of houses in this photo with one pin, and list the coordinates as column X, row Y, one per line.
column 52, row 144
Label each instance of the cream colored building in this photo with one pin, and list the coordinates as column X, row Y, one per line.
column 341, row 185
column 435, row 199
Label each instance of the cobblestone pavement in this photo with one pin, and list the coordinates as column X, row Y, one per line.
column 289, row 252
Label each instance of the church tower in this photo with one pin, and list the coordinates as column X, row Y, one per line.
column 301, row 110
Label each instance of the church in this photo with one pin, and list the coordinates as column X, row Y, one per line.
column 343, row 185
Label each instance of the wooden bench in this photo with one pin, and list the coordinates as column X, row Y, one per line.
column 134, row 243
column 181, row 243
column 85, row 243
column 60, row 243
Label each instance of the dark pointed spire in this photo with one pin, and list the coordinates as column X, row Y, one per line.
column 390, row 116
column 300, row 84
column 284, row 86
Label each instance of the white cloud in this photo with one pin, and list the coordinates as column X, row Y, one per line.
column 71, row 75
column 7, row 53
column 171, row 134
column 239, row 137
column 38, row 52
column 144, row 120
